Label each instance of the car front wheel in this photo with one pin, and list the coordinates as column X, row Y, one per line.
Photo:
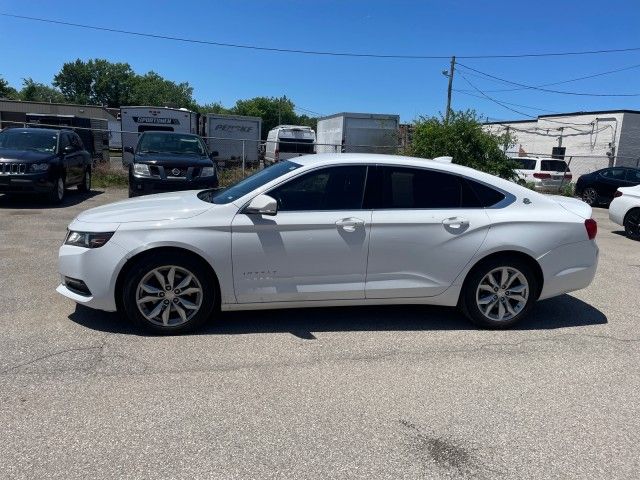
column 499, row 292
column 85, row 186
column 56, row 195
column 590, row 196
column 632, row 224
column 168, row 294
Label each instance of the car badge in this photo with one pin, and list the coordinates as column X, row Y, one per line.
column 176, row 172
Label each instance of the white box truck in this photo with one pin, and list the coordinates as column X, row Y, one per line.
column 136, row 120
column 289, row 141
column 358, row 132
column 233, row 136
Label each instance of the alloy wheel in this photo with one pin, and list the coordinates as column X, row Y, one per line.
column 632, row 224
column 169, row 296
column 502, row 294
column 589, row 196
column 60, row 189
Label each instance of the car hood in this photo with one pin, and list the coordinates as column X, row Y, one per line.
column 28, row 156
column 173, row 159
column 150, row 208
column 574, row 206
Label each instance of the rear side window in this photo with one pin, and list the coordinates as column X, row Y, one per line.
column 614, row 173
column 334, row 188
column 633, row 175
column 525, row 163
column 554, row 166
column 407, row 188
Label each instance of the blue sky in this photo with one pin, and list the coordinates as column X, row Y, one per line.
column 330, row 84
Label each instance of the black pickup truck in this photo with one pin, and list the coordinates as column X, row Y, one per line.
column 44, row 161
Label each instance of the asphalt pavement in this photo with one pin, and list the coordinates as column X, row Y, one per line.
column 384, row 393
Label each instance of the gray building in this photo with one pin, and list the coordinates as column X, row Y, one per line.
column 13, row 112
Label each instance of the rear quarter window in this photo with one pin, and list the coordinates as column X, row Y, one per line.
column 487, row 196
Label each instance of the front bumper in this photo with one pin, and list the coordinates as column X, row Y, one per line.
column 26, row 183
column 568, row 268
column 97, row 268
column 146, row 186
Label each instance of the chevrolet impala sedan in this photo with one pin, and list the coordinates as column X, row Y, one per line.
column 331, row 230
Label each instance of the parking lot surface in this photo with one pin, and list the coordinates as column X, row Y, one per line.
column 398, row 392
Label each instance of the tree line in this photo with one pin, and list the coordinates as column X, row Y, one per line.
column 101, row 82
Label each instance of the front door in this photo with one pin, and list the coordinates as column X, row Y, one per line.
column 427, row 226
column 314, row 248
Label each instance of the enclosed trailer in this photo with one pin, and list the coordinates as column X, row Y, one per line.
column 94, row 132
column 358, row 132
column 136, row 120
column 115, row 137
column 233, row 136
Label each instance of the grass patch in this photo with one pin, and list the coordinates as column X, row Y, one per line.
column 229, row 176
column 104, row 176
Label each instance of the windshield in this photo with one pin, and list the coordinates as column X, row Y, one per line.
column 38, row 141
column 171, row 143
column 249, row 184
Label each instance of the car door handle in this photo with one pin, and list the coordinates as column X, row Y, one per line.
column 455, row 222
column 350, row 224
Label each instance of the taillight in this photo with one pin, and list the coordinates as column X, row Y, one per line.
column 617, row 194
column 277, row 154
column 592, row 228
column 568, row 176
column 542, row 175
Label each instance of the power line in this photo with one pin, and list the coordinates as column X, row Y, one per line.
column 571, row 125
column 465, row 92
column 316, row 52
column 532, row 87
column 630, row 67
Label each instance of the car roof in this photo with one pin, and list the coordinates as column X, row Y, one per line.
column 164, row 132
column 36, row 129
column 400, row 160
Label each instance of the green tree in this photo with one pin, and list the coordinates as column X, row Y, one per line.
column 273, row 111
column 464, row 139
column 153, row 89
column 39, row 92
column 214, row 107
column 97, row 82
column 7, row 91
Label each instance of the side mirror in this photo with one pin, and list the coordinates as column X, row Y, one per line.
column 128, row 149
column 262, row 205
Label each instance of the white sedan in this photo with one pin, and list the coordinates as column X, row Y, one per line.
column 625, row 210
column 331, row 230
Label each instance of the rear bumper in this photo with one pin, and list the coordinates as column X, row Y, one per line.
column 568, row 268
column 147, row 186
column 34, row 183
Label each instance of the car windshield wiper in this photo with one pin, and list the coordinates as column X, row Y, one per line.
column 149, row 151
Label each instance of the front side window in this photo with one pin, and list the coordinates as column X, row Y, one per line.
column 633, row 175
column 407, row 188
column 332, row 188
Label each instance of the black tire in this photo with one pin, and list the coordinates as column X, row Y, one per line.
column 132, row 193
column 470, row 291
column 590, row 196
column 85, row 186
column 143, row 268
column 56, row 195
column 632, row 224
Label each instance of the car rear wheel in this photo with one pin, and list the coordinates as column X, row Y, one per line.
column 85, row 186
column 166, row 294
column 499, row 292
column 56, row 195
column 632, row 224
column 590, row 196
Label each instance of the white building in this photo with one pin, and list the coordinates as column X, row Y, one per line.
column 588, row 140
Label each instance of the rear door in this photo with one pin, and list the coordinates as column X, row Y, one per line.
column 610, row 180
column 426, row 226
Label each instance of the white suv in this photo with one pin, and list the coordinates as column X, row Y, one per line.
column 547, row 174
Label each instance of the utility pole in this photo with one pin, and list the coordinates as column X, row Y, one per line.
column 450, row 75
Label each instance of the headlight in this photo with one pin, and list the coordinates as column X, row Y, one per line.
column 208, row 172
column 88, row 239
column 39, row 167
column 141, row 169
